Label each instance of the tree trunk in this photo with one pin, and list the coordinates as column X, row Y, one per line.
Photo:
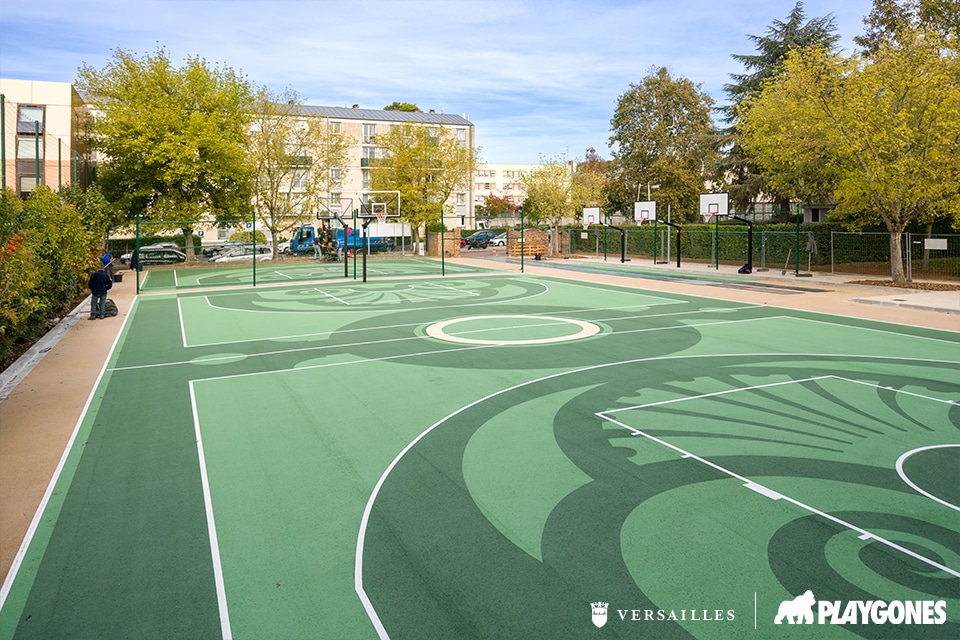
column 897, row 273
column 188, row 244
column 926, row 252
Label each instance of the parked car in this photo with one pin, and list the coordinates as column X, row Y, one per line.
column 480, row 239
column 217, row 249
column 152, row 250
column 240, row 254
column 500, row 240
column 156, row 255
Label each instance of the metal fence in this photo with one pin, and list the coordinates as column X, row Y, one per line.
column 935, row 257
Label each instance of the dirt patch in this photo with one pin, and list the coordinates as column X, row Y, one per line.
column 919, row 286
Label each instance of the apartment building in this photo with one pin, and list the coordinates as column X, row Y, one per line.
column 500, row 180
column 363, row 125
column 44, row 134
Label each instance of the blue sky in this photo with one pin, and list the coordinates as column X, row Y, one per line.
column 539, row 79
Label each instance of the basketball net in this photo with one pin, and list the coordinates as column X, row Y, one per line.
column 381, row 216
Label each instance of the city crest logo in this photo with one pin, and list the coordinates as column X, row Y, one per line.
column 599, row 610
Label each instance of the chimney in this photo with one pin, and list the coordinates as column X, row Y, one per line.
column 356, row 106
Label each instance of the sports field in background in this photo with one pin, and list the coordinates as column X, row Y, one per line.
column 485, row 455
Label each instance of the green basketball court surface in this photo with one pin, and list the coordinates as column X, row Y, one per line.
column 486, row 455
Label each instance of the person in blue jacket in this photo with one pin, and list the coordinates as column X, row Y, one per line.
column 99, row 283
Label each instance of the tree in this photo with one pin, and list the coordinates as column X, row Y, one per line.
column 890, row 18
column 173, row 138
column 497, row 206
column 738, row 171
column 293, row 158
column 427, row 165
column 884, row 130
column 590, row 182
column 663, row 134
column 549, row 190
column 402, row 106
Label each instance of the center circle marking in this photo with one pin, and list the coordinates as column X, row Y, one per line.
column 438, row 330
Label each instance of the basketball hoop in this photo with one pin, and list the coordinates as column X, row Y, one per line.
column 381, row 216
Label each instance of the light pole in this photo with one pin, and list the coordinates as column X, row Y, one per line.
column 649, row 186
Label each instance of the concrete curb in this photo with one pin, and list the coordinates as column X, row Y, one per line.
column 16, row 372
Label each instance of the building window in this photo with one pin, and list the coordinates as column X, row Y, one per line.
column 369, row 133
column 486, row 186
column 28, row 118
column 335, row 127
column 366, row 178
column 27, row 184
column 335, row 176
column 300, row 180
column 27, row 148
column 462, row 137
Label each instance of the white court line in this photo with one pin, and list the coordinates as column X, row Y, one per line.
column 211, row 524
column 364, row 521
column 443, row 286
column 914, row 486
column 764, row 490
column 714, row 394
column 232, row 357
column 176, row 281
column 37, row 516
column 892, row 333
column 329, row 295
column 183, row 325
column 457, row 306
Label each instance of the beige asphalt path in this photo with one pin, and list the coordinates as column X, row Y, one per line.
column 38, row 417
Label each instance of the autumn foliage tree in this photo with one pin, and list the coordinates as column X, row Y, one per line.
column 47, row 251
column 427, row 165
column 293, row 158
column 882, row 132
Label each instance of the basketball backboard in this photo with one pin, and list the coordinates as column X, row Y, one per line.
column 644, row 211
column 591, row 215
column 713, row 204
column 379, row 204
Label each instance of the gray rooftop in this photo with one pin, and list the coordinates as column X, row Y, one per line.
column 345, row 113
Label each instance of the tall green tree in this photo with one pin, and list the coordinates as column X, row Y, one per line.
column 427, row 165
column 737, row 171
column 402, row 106
column 295, row 160
column 884, row 131
column 590, row 182
column 549, row 189
column 889, row 19
column 662, row 133
column 173, row 137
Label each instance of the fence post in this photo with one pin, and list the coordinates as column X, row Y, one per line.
column 833, row 266
column 909, row 253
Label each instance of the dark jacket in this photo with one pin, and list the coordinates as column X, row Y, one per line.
column 99, row 281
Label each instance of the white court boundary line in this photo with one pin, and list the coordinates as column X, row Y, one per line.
column 324, row 347
column 365, row 519
column 369, row 306
column 211, row 523
column 776, row 495
column 914, row 486
column 38, row 514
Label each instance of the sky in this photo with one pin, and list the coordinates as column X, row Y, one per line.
column 539, row 79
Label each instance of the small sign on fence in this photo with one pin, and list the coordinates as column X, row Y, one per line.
column 935, row 244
